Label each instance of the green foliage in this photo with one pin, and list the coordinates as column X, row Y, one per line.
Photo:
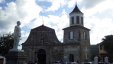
column 108, row 45
column 6, row 43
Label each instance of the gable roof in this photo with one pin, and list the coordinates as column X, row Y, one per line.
column 42, row 35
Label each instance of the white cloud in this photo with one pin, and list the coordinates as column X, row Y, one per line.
column 99, row 20
column 99, row 28
column 28, row 8
column 1, row 1
column 90, row 3
column 24, row 10
column 56, row 4
column 101, row 7
column 8, row 17
column 71, row 3
column 0, row 8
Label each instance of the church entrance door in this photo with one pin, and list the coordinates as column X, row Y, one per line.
column 71, row 58
column 41, row 55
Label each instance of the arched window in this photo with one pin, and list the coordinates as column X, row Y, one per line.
column 71, row 35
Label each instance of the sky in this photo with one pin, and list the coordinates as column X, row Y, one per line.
column 98, row 16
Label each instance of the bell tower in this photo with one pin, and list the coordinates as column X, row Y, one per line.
column 77, row 34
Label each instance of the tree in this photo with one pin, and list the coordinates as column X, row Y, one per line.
column 6, row 43
column 108, row 45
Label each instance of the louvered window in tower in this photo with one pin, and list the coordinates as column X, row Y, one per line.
column 72, row 20
column 77, row 20
column 82, row 20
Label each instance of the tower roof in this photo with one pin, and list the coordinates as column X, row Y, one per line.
column 76, row 10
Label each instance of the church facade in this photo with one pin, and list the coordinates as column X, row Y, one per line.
column 43, row 47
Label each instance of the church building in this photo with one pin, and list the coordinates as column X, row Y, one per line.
column 43, row 46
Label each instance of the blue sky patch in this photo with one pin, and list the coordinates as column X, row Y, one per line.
column 4, row 3
column 44, row 4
